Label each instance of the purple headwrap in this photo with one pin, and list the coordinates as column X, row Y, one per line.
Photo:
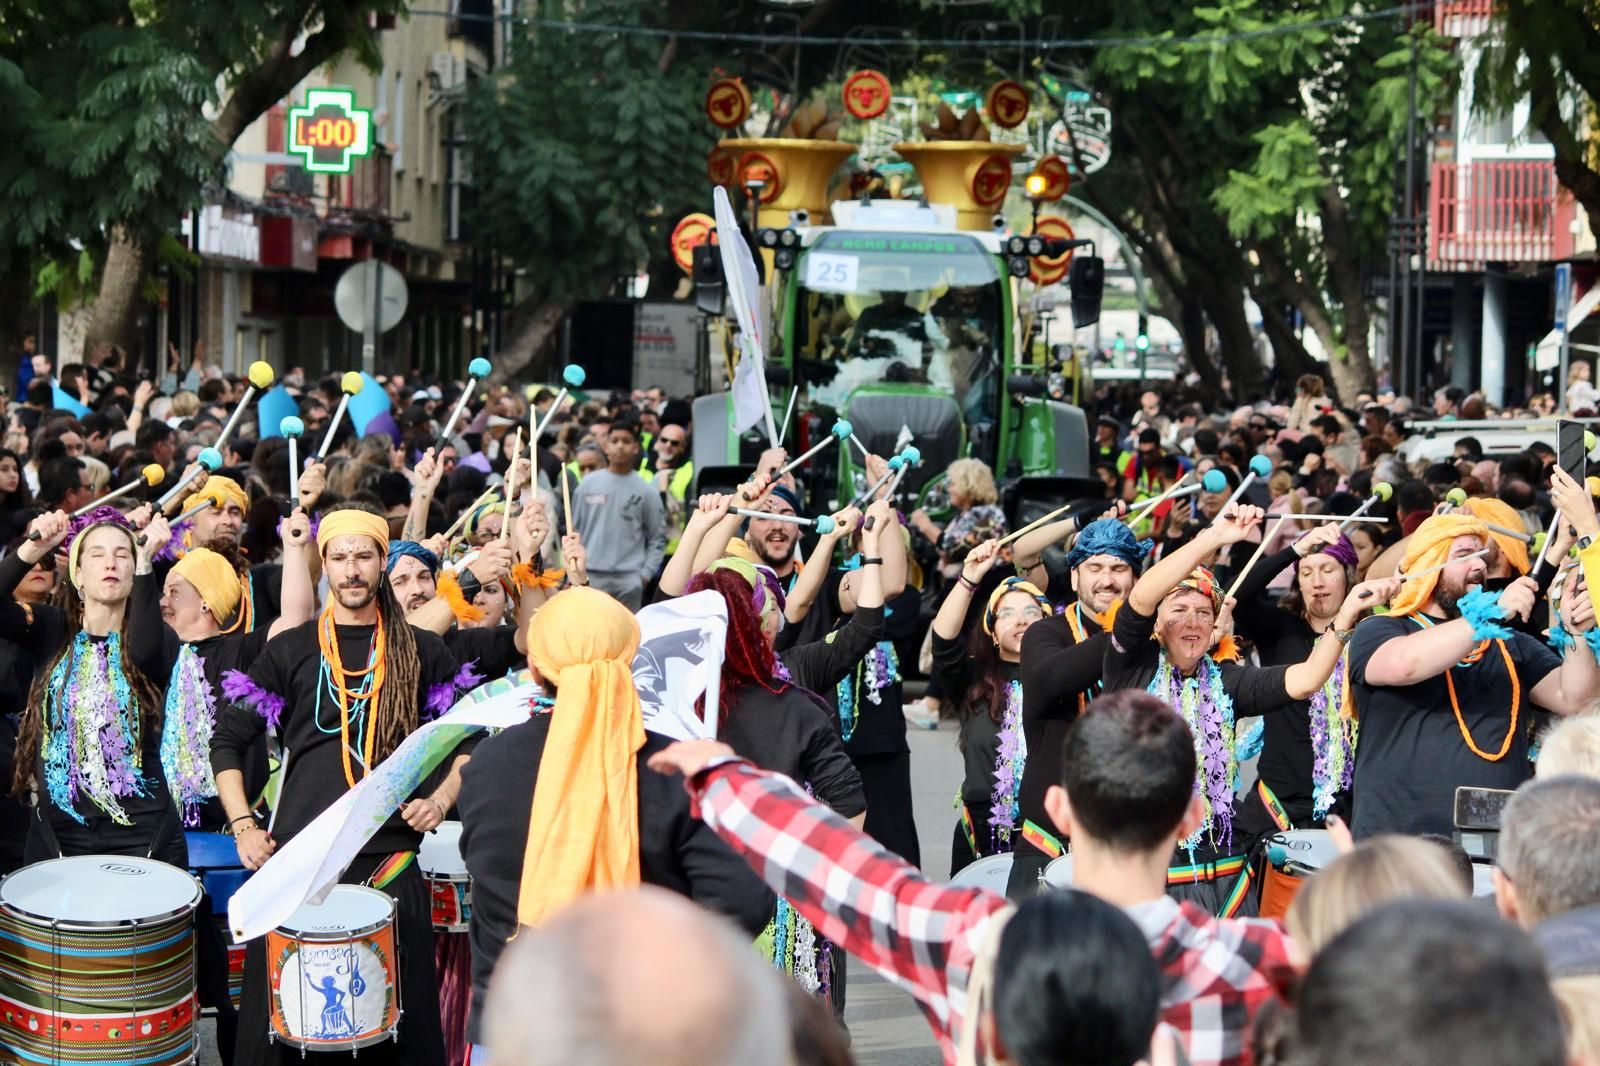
column 1341, row 551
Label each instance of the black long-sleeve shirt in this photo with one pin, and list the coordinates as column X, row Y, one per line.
column 979, row 736
column 291, row 667
column 1059, row 675
column 791, row 733
column 821, row 664
column 677, row 851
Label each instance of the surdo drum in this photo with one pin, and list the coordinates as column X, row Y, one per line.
column 333, row 972
column 97, row 962
column 449, row 884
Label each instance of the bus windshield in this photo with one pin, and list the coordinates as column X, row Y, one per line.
column 899, row 307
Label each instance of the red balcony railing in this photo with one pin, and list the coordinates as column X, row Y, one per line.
column 1462, row 18
column 1509, row 212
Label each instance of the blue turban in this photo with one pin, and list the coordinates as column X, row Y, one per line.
column 782, row 492
column 1108, row 536
column 401, row 548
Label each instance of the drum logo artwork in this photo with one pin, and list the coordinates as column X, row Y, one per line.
column 333, row 993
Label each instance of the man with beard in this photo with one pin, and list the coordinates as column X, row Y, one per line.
column 1062, row 659
column 344, row 691
column 218, row 527
column 772, row 539
column 1443, row 685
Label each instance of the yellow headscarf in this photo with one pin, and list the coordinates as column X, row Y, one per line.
column 1428, row 547
column 351, row 521
column 214, row 578
column 218, row 488
column 583, row 832
column 1494, row 511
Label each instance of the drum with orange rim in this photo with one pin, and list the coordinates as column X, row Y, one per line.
column 1293, row 855
column 334, row 974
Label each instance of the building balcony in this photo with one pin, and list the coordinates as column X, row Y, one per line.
column 1497, row 212
column 1462, row 18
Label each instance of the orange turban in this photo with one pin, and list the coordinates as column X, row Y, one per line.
column 1428, row 547
column 1494, row 512
column 583, row 831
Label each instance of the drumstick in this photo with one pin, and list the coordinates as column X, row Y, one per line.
column 1168, row 493
column 1254, row 558
column 1367, row 593
column 511, row 485
column 566, row 501
column 1329, row 517
column 461, row 519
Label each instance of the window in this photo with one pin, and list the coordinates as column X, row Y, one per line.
column 399, row 120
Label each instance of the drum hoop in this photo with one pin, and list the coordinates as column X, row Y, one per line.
column 176, row 914
column 454, row 879
column 334, row 1047
column 339, row 936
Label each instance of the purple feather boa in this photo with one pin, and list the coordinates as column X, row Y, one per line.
column 443, row 696
column 237, row 687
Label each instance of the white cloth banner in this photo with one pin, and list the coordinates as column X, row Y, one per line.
column 750, row 401
column 679, row 658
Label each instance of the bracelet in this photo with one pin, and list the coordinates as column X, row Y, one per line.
column 971, row 586
column 1344, row 636
column 438, row 807
column 867, row 560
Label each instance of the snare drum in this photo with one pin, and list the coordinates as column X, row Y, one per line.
column 1308, row 850
column 333, row 972
column 449, row 884
column 97, row 962
column 1058, row 874
column 991, row 872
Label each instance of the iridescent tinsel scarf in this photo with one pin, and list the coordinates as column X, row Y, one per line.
column 879, row 669
column 1208, row 709
column 1010, row 757
column 90, row 746
column 191, row 714
column 1333, row 742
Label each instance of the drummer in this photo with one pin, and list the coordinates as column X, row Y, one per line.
column 343, row 692
column 1308, row 749
column 987, row 681
column 562, row 804
column 89, row 745
column 1178, row 602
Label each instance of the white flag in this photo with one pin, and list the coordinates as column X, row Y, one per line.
column 750, row 401
column 679, row 657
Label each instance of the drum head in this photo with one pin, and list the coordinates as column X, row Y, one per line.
column 441, row 851
column 1059, row 873
column 94, row 890
column 991, row 873
column 1308, row 847
column 348, row 910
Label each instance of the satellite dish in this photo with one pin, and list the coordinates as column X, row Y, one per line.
column 352, row 296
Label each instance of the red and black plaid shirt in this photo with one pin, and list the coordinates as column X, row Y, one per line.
column 924, row 936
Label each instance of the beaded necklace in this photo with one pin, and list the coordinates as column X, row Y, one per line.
column 351, row 702
column 878, row 669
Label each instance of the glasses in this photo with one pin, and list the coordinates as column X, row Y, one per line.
column 47, row 562
column 1016, row 614
column 674, row 442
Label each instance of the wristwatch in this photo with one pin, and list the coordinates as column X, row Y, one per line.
column 1584, row 541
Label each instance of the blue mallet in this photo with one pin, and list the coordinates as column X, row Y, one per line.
column 574, row 377
column 841, row 431
column 477, row 370
column 291, row 427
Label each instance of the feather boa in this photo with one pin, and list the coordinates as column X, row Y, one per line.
column 523, row 574
column 238, row 687
column 450, row 588
column 443, row 696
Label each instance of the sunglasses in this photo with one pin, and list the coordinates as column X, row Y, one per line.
column 47, row 563
column 671, row 441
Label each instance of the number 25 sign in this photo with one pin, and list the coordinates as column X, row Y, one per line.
column 330, row 131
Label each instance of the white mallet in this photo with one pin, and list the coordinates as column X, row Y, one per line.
column 823, row 523
column 574, row 377
column 349, row 385
column 1380, row 494
column 151, row 475
column 909, row 457
column 209, row 461
column 1328, row 518
column 1260, row 466
column 895, row 462
column 841, row 431
column 291, row 427
column 477, row 370
column 261, row 377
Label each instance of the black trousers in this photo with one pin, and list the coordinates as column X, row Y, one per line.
column 421, row 1039
column 886, row 780
column 1027, row 866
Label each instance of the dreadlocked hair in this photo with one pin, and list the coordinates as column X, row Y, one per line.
column 30, row 730
column 987, row 692
column 397, row 711
column 749, row 659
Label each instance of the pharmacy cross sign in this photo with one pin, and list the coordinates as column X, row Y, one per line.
column 330, row 131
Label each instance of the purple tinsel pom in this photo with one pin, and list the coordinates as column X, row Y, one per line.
column 104, row 513
column 443, row 696
column 237, row 687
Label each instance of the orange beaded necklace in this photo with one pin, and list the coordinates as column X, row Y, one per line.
column 1476, row 654
column 328, row 642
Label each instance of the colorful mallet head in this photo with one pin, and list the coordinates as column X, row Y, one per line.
column 1456, row 497
column 1215, row 481
column 154, row 474
column 479, row 368
column 825, row 524
column 291, row 426
column 210, row 458
column 352, row 382
column 574, row 376
column 261, row 375
column 1260, row 466
column 842, row 429
column 1383, row 491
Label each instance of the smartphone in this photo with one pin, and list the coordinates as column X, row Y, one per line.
column 1571, row 452
column 1479, row 808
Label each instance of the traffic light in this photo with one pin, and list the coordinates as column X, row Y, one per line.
column 1086, row 280
column 1142, row 342
column 707, row 274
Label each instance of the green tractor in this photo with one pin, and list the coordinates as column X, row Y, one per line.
column 906, row 326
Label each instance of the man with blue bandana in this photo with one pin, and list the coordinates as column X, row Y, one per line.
column 1062, row 658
